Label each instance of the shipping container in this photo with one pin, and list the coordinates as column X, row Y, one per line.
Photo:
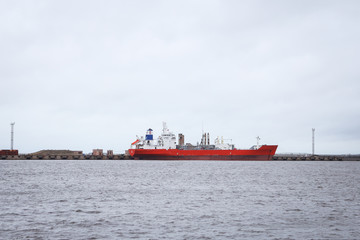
column 9, row 152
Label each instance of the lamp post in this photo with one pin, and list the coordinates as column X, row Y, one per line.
column 313, row 141
column 12, row 135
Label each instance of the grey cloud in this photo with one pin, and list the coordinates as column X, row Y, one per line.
column 90, row 74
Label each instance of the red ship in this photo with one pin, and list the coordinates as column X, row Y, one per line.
column 165, row 148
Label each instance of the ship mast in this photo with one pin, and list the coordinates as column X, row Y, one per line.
column 165, row 130
column 257, row 142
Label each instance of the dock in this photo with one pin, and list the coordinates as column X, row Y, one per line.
column 278, row 157
column 306, row 157
column 65, row 157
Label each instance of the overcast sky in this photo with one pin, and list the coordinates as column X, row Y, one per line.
column 81, row 75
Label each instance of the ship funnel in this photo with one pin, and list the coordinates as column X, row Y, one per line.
column 181, row 139
column 149, row 135
column 205, row 139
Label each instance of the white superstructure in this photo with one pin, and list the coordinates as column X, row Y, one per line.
column 167, row 140
column 219, row 144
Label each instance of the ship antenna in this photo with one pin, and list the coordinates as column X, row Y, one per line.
column 257, row 140
column 202, row 127
column 202, row 133
column 164, row 127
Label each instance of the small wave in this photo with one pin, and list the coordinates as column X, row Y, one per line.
column 11, row 214
column 293, row 210
column 132, row 213
column 93, row 212
column 89, row 212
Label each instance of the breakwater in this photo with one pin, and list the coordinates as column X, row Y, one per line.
column 301, row 157
column 278, row 157
column 64, row 157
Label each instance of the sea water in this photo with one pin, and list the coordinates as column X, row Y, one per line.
column 49, row 199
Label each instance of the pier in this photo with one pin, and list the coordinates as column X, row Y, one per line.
column 302, row 157
column 64, row 157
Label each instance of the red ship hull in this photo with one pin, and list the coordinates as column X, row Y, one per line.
column 265, row 152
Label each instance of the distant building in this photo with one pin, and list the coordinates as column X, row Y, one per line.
column 110, row 153
column 77, row 152
column 97, row 152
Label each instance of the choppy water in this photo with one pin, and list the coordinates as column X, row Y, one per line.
column 179, row 200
